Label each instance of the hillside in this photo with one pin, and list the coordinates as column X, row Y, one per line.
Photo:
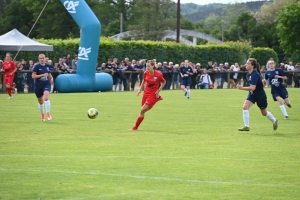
column 195, row 13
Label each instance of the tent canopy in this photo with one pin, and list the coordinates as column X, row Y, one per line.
column 15, row 41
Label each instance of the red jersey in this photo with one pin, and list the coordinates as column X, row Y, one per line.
column 8, row 67
column 152, row 82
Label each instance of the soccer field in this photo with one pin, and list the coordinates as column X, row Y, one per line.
column 184, row 149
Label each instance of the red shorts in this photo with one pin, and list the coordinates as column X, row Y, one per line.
column 8, row 80
column 150, row 100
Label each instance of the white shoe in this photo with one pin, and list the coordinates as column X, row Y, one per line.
column 16, row 91
column 10, row 98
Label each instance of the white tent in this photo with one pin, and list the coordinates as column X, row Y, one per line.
column 15, row 41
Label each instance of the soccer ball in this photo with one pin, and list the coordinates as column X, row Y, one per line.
column 92, row 113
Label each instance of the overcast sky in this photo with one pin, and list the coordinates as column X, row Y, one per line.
column 203, row 2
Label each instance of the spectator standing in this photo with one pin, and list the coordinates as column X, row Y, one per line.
column 297, row 76
column 68, row 60
column 290, row 69
column 74, row 62
column 176, row 78
column 30, row 81
column 219, row 76
column 167, row 74
column 137, row 68
column 224, row 75
column 194, row 76
column 20, row 78
column 128, row 73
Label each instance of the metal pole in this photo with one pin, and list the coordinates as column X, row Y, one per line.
column 178, row 22
column 121, row 22
column 222, row 33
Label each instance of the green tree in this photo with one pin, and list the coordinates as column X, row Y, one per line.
column 55, row 21
column 187, row 24
column 16, row 17
column 269, row 11
column 259, row 34
column 152, row 17
column 288, row 28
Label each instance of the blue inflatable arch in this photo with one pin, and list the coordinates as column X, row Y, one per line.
column 86, row 79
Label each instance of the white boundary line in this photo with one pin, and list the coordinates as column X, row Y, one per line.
column 150, row 177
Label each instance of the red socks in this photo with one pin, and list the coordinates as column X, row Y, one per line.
column 138, row 121
column 12, row 88
column 8, row 90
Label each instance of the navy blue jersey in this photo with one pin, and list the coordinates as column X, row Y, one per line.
column 40, row 69
column 275, row 82
column 255, row 79
column 184, row 70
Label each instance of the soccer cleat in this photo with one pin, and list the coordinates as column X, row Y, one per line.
column 188, row 98
column 10, row 98
column 43, row 117
column 185, row 93
column 286, row 117
column 288, row 105
column 133, row 129
column 49, row 116
column 245, row 128
column 16, row 91
column 275, row 125
column 160, row 98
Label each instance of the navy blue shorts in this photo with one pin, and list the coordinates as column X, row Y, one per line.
column 40, row 87
column 186, row 81
column 259, row 98
column 279, row 92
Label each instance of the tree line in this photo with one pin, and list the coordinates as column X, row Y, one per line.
column 274, row 25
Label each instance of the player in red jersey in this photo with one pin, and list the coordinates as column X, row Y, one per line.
column 9, row 69
column 153, row 83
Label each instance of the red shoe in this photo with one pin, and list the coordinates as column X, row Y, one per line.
column 160, row 98
column 43, row 117
column 133, row 129
column 49, row 116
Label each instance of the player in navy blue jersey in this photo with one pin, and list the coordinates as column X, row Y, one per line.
column 185, row 72
column 256, row 95
column 42, row 80
column 278, row 91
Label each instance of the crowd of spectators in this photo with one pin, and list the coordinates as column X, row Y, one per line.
column 128, row 74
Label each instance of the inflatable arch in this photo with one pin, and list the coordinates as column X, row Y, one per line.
column 86, row 79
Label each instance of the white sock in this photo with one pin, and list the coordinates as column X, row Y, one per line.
column 246, row 117
column 270, row 117
column 188, row 92
column 185, row 89
column 41, row 107
column 47, row 105
column 283, row 110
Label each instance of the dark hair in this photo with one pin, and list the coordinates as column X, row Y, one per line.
column 152, row 63
column 255, row 64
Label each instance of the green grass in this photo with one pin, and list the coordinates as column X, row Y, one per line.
column 183, row 150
